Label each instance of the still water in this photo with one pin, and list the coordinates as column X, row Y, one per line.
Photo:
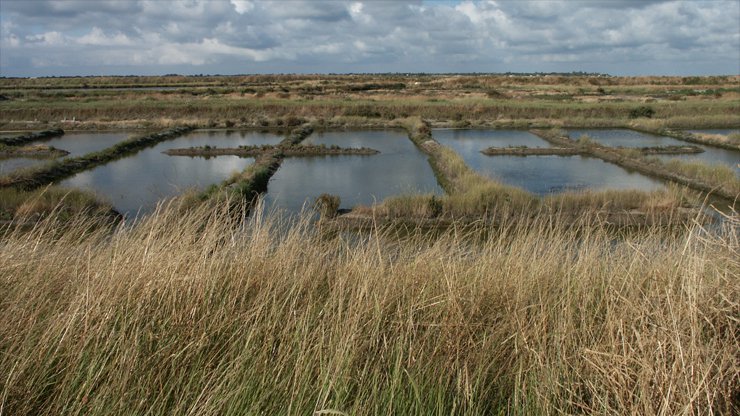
column 630, row 138
column 625, row 138
column 80, row 143
column 399, row 168
column 136, row 183
column 472, row 139
column 76, row 143
column 539, row 174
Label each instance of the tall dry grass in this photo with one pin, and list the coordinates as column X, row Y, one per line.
column 719, row 175
column 199, row 313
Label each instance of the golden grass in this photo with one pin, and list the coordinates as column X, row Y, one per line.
column 719, row 175
column 619, row 200
column 733, row 139
column 196, row 313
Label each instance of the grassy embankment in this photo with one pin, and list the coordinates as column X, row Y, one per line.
column 36, row 151
column 290, row 147
column 570, row 151
column 250, row 183
column 469, row 194
column 30, row 137
column 718, row 180
column 251, row 151
column 36, row 177
column 198, row 313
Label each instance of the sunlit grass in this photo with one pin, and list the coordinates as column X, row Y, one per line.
column 196, row 312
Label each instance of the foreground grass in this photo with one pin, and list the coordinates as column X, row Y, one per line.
column 194, row 313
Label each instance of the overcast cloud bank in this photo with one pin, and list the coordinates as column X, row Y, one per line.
column 621, row 37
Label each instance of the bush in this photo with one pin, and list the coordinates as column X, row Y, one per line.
column 642, row 111
column 492, row 93
column 327, row 205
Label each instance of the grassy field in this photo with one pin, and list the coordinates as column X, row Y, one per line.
column 199, row 313
column 461, row 100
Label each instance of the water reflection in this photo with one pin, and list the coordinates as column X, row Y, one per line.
column 472, row 139
column 399, row 168
column 542, row 174
column 135, row 184
column 76, row 143
column 630, row 138
column 625, row 138
column 80, row 143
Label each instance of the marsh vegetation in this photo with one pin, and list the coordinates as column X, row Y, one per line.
column 197, row 311
column 462, row 292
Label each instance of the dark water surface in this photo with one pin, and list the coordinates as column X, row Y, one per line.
column 399, row 168
column 540, row 174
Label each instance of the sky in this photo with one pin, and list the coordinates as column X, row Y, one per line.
column 156, row 37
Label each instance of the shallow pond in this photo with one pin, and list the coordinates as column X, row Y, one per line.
column 76, row 143
column 625, row 138
column 472, row 139
column 399, row 168
column 136, row 183
column 542, row 174
column 629, row 138
column 80, row 143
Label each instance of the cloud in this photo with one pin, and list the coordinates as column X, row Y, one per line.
column 98, row 37
column 242, row 6
column 234, row 36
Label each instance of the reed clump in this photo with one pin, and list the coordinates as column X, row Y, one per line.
column 718, row 175
column 201, row 313
column 668, row 199
column 21, row 206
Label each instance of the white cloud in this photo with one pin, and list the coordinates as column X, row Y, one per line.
column 332, row 36
column 242, row 6
column 47, row 39
column 97, row 37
